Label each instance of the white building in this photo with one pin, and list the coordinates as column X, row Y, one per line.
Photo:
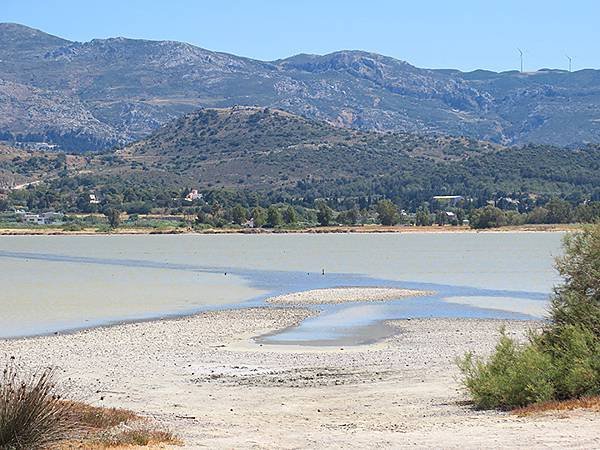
column 42, row 219
column 193, row 195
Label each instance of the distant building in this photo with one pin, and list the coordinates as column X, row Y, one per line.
column 46, row 218
column 452, row 200
column 193, row 195
column 43, row 146
column 508, row 203
column 94, row 200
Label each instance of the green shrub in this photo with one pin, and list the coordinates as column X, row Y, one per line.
column 563, row 361
column 575, row 356
column 72, row 227
column 515, row 375
column 577, row 300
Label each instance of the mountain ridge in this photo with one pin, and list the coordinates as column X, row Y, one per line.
column 127, row 88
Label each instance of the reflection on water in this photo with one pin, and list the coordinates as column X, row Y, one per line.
column 53, row 283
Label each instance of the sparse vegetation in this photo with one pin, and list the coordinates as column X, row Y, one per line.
column 590, row 403
column 563, row 361
column 33, row 415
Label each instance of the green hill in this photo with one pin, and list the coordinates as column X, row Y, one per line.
column 277, row 156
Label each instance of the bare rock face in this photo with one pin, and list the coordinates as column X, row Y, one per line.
column 109, row 91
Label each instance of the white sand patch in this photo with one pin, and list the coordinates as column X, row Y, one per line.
column 344, row 295
column 535, row 308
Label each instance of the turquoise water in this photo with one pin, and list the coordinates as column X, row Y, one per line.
column 60, row 283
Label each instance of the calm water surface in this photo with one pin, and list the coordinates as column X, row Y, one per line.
column 57, row 283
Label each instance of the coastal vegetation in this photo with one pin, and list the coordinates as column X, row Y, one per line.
column 562, row 362
column 35, row 415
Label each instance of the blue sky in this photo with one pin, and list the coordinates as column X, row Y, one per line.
column 463, row 34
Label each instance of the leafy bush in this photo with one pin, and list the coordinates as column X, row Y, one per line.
column 514, row 376
column 577, row 301
column 563, row 362
column 488, row 217
column 73, row 227
column 575, row 356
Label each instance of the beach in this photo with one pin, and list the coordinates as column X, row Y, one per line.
column 339, row 295
column 205, row 378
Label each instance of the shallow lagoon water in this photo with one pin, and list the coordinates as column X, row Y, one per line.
column 59, row 283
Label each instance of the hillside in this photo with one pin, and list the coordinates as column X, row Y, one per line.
column 107, row 92
column 270, row 155
column 264, row 149
column 21, row 167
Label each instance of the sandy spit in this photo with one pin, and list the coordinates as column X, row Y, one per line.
column 403, row 393
column 344, row 295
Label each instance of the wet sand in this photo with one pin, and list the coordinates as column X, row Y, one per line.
column 203, row 377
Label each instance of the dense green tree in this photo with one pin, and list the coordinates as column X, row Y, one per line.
column 137, row 207
column 324, row 214
column 289, row 215
column 239, row 214
column 350, row 216
column 423, row 217
column 274, row 218
column 441, row 218
column 113, row 215
column 559, row 211
column 387, row 213
column 538, row 215
column 487, row 217
column 587, row 213
column 260, row 217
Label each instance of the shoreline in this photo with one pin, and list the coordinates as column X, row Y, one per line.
column 366, row 229
column 301, row 300
column 199, row 377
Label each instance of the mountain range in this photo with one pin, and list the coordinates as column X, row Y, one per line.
column 110, row 92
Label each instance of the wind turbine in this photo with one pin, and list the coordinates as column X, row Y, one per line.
column 570, row 61
column 521, row 55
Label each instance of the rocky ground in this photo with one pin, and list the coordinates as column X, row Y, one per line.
column 205, row 378
column 343, row 295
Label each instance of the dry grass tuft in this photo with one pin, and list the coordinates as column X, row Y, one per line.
column 112, row 428
column 142, row 435
column 589, row 403
column 99, row 418
column 32, row 414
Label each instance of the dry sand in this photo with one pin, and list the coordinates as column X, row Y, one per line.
column 344, row 295
column 198, row 376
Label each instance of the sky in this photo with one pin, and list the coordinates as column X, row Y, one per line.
column 460, row 34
